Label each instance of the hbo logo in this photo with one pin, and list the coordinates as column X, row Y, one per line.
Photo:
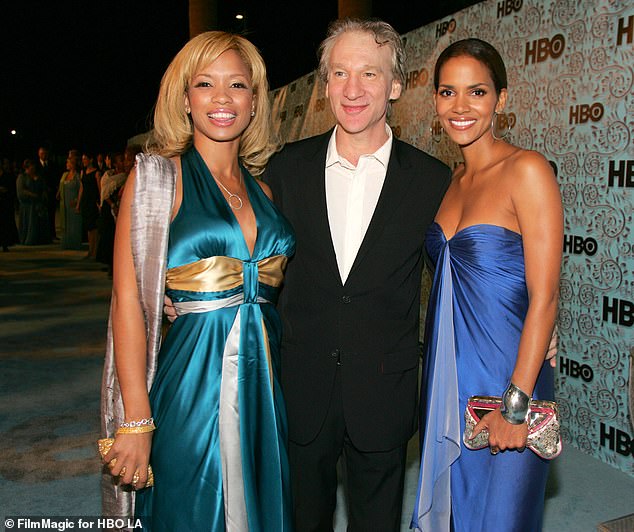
column 578, row 245
column 580, row 114
column 541, row 49
column 616, row 440
column 444, row 27
column 506, row 7
column 572, row 368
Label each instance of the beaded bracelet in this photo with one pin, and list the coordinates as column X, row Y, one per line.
column 137, row 427
column 146, row 421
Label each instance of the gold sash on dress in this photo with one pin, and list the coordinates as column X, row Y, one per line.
column 217, row 274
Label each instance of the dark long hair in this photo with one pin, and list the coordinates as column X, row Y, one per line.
column 481, row 51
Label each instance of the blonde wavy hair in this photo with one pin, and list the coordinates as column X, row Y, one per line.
column 173, row 129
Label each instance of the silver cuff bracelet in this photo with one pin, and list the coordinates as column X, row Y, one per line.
column 515, row 404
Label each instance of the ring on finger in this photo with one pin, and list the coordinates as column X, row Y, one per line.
column 112, row 463
column 122, row 472
column 135, row 477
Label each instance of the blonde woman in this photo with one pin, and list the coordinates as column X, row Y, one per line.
column 68, row 195
column 193, row 221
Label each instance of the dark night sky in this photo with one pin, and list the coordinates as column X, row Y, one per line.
column 85, row 74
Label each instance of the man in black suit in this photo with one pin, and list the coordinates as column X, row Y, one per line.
column 360, row 201
column 51, row 176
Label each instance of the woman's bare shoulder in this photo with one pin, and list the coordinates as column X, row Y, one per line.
column 265, row 188
column 530, row 161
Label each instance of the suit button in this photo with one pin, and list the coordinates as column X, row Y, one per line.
column 335, row 353
column 346, row 299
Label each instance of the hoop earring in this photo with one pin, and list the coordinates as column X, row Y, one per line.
column 436, row 131
column 494, row 123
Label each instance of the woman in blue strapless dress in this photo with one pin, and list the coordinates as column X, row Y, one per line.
column 496, row 245
column 213, row 426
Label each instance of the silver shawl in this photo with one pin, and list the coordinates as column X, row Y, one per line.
column 154, row 189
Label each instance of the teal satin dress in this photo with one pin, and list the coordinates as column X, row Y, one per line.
column 219, row 451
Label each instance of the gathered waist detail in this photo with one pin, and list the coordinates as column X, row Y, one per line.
column 222, row 274
column 197, row 307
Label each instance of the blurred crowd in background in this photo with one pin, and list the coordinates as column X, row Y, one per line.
column 74, row 203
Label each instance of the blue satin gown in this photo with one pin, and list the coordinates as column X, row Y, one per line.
column 219, row 451
column 476, row 312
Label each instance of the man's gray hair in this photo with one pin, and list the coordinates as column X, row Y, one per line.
column 383, row 34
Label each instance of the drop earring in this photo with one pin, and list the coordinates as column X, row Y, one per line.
column 494, row 122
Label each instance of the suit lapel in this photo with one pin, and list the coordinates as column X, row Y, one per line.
column 396, row 184
column 317, row 211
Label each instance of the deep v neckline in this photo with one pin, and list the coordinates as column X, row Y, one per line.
column 234, row 219
column 250, row 196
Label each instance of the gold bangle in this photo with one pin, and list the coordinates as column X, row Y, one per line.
column 135, row 430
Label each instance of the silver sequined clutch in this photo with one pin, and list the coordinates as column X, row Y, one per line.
column 544, row 438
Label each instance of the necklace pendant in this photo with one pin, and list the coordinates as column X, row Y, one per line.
column 235, row 202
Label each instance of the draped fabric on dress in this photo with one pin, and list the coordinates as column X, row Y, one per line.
column 479, row 290
column 219, row 452
column 441, row 441
column 154, row 189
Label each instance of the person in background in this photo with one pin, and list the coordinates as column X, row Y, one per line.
column 50, row 173
column 33, row 198
column 129, row 155
column 101, row 163
column 112, row 180
column 8, row 230
column 89, row 203
column 193, row 220
column 496, row 242
column 68, row 196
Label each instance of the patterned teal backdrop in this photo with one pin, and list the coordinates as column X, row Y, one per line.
column 571, row 77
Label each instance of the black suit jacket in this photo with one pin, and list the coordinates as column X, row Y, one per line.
column 370, row 324
column 51, row 175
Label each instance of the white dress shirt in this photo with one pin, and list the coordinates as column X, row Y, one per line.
column 351, row 197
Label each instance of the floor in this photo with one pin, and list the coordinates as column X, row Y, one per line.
column 53, row 311
column 582, row 492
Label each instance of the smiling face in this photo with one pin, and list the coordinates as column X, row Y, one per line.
column 466, row 100
column 360, row 84
column 221, row 100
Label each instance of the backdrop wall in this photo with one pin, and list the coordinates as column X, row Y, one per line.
column 570, row 69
